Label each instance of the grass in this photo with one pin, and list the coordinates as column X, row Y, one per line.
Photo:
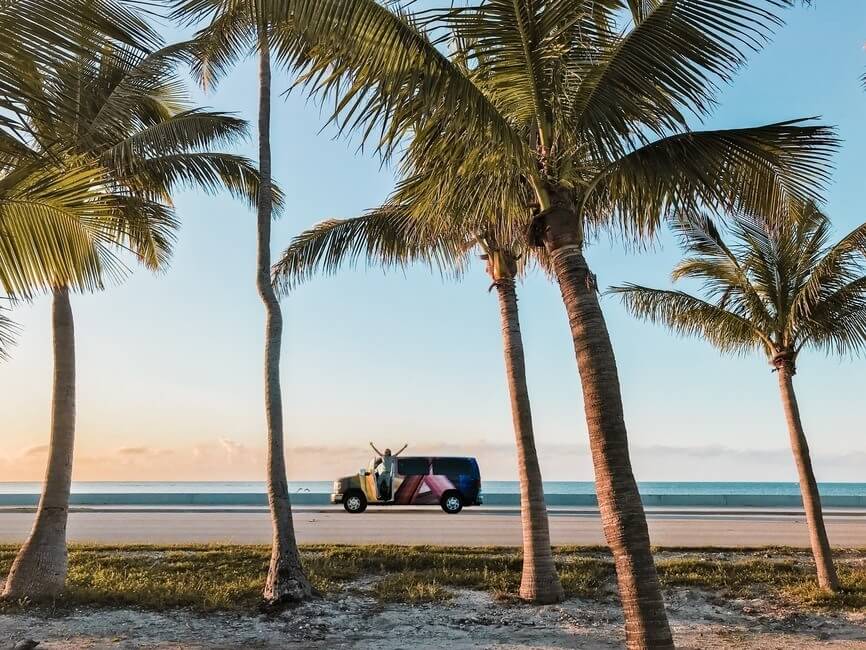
column 793, row 583
column 229, row 578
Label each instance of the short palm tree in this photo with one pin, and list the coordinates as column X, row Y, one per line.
column 102, row 185
column 561, row 108
column 389, row 237
column 235, row 30
column 779, row 288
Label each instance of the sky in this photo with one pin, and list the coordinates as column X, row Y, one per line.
column 169, row 369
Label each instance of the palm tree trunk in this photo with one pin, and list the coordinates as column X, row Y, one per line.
column 39, row 569
column 622, row 512
column 827, row 577
column 540, row 581
column 286, row 581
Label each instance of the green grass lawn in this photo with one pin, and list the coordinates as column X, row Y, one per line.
column 209, row 578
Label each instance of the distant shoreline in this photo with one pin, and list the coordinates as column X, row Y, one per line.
column 489, row 487
column 495, row 493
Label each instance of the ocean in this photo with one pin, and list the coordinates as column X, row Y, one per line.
column 488, row 487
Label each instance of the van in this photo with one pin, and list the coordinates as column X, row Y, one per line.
column 446, row 481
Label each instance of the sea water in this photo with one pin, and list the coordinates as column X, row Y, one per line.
column 489, row 487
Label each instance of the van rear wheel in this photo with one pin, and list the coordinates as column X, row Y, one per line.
column 452, row 503
column 355, row 502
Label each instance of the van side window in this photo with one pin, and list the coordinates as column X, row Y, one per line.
column 413, row 466
column 452, row 466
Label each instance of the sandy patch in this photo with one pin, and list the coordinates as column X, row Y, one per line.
column 471, row 620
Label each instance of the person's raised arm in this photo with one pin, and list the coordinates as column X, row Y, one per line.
column 402, row 449
column 376, row 450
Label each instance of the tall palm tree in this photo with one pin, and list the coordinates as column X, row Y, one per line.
column 104, row 185
column 390, row 237
column 779, row 288
column 234, row 30
column 562, row 111
column 56, row 239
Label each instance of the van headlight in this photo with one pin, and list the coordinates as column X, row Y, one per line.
column 337, row 486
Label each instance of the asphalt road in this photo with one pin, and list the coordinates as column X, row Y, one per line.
column 474, row 527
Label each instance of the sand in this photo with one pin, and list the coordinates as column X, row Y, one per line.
column 700, row 620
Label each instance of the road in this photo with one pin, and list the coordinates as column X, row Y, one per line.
column 474, row 527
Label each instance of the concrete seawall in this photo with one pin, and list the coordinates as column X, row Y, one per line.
column 318, row 499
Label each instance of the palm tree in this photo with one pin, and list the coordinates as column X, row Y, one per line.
column 234, row 31
column 559, row 110
column 389, row 237
column 780, row 288
column 103, row 186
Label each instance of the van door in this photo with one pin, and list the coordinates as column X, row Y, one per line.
column 369, row 485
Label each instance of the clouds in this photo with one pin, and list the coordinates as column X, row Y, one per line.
column 233, row 450
column 134, row 451
column 38, row 450
column 719, row 463
column 226, row 459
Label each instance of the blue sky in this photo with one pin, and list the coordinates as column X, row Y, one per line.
column 169, row 366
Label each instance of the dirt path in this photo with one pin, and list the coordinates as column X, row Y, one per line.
column 471, row 620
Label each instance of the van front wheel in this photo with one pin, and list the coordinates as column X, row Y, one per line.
column 355, row 502
column 452, row 503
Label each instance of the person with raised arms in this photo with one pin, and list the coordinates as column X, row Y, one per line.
column 383, row 481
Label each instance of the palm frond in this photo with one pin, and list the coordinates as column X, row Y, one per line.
column 780, row 278
column 687, row 315
column 228, row 37
column 640, row 9
column 671, row 61
column 211, row 172
column 751, row 171
column 384, row 237
column 487, row 194
column 189, row 130
column 837, row 322
column 40, row 35
column 729, row 276
column 145, row 228
column 522, row 46
column 8, row 333
column 384, row 72
column 52, row 232
column 827, row 268
column 133, row 90
column 69, row 212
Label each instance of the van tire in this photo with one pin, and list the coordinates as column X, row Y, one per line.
column 452, row 502
column 355, row 502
